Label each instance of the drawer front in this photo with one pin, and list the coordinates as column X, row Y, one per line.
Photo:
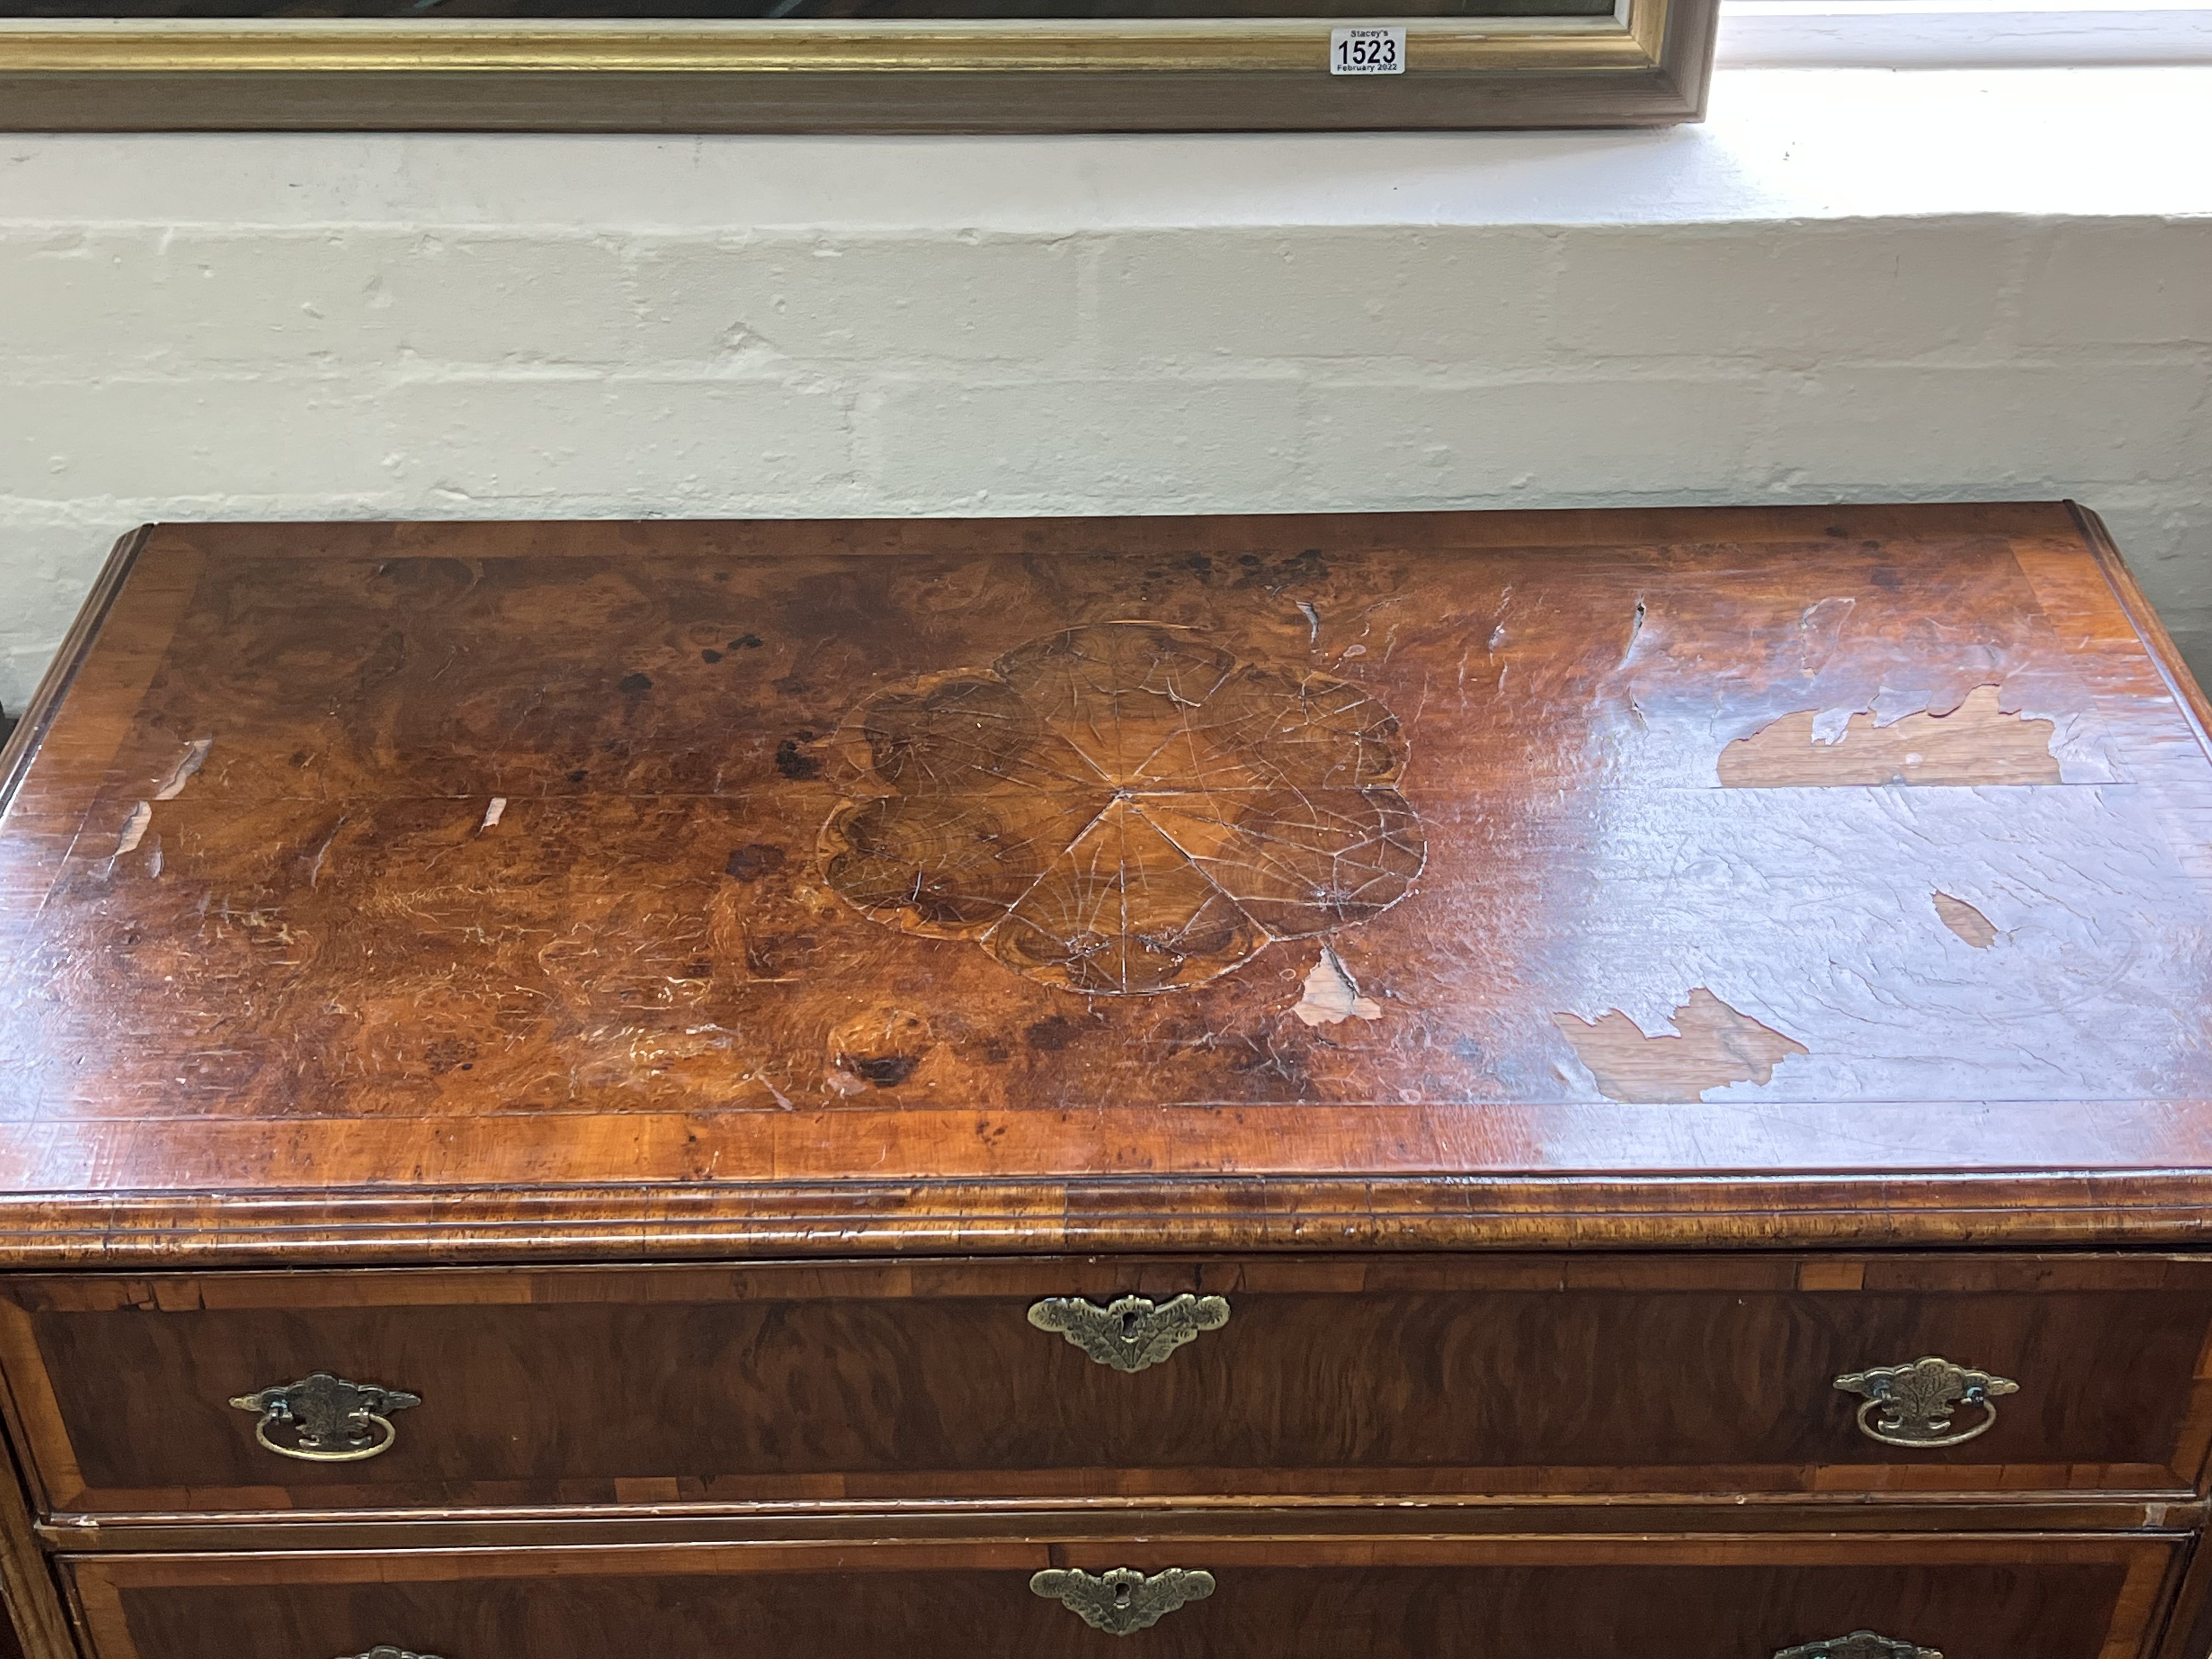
column 1967, row 1598
column 776, row 1383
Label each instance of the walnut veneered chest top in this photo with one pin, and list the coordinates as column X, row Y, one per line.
column 1404, row 1086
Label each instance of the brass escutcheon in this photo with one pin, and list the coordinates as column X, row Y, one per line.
column 1123, row 1600
column 1859, row 1645
column 1918, row 1401
column 1132, row 1332
column 383, row 1650
column 332, row 1420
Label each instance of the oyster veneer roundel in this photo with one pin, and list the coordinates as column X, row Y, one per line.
column 1122, row 808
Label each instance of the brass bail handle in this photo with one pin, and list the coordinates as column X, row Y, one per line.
column 1859, row 1645
column 332, row 1420
column 1919, row 1403
column 1132, row 1332
column 1123, row 1600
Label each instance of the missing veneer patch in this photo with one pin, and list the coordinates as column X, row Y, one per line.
column 1976, row 743
column 1717, row 1046
column 188, row 765
column 1968, row 923
column 1332, row 995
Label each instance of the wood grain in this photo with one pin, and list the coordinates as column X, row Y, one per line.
column 33, row 1625
column 910, row 1383
column 1160, row 1518
column 1333, row 914
column 2187, row 1632
column 332, row 1002
column 2059, row 1598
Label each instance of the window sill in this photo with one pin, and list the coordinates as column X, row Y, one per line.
column 1779, row 144
column 1962, row 33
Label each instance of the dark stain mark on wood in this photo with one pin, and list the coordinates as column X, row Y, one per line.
column 1307, row 569
column 449, row 1054
column 753, row 861
column 794, row 762
column 885, row 1071
column 635, row 685
column 1052, row 1035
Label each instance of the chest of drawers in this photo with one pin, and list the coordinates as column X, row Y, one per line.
column 1385, row 1087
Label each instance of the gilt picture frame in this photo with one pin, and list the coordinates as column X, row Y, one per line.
column 1642, row 63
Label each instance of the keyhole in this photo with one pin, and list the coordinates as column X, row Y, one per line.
column 1121, row 1594
column 1129, row 1327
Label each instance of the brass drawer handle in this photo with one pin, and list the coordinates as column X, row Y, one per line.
column 1123, row 1600
column 1131, row 1332
column 1918, row 1401
column 332, row 1420
column 1859, row 1645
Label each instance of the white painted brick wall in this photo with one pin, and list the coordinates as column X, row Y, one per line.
column 1846, row 285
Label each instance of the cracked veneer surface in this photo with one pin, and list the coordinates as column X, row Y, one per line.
column 317, row 951
column 1123, row 807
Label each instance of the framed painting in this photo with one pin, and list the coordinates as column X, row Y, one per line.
column 850, row 65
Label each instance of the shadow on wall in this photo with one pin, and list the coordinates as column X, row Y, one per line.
column 6, row 725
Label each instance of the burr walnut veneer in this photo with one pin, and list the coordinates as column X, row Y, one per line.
column 1411, row 1087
